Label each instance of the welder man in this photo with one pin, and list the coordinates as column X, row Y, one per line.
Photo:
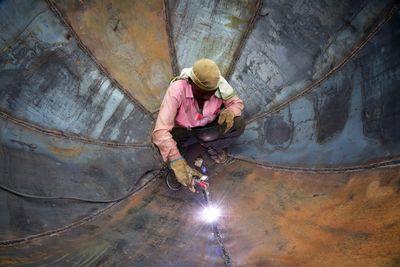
column 198, row 107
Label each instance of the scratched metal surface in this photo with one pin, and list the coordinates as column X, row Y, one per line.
column 129, row 39
column 37, row 164
column 353, row 118
column 295, row 43
column 46, row 79
column 211, row 29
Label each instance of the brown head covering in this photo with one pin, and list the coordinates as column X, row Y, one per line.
column 205, row 74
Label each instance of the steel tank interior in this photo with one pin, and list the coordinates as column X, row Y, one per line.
column 313, row 181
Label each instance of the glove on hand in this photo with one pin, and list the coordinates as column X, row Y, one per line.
column 226, row 116
column 184, row 173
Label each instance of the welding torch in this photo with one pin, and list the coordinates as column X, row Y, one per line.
column 201, row 185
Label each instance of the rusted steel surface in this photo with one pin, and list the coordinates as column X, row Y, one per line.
column 320, row 84
column 211, row 29
column 295, row 43
column 352, row 118
column 46, row 79
column 155, row 227
column 269, row 218
column 129, row 39
column 34, row 163
column 277, row 218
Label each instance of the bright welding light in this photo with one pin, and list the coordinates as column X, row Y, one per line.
column 210, row 214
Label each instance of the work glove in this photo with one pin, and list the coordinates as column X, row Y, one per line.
column 226, row 116
column 184, row 173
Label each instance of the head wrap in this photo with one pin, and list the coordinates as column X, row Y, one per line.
column 205, row 74
column 225, row 91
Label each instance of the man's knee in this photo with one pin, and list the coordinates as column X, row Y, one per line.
column 239, row 125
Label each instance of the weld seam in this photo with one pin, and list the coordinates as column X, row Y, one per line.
column 376, row 165
column 171, row 44
column 102, row 69
column 91, row 217
column 312, row 86
column 67, row 136
column 225, row 253
column 243, row 40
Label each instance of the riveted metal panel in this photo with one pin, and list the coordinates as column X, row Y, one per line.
column 296, row 43
column 129, row 39
column 350, row 119
column 46, row 79
column 210, row 29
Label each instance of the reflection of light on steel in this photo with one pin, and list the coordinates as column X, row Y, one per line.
column 210, row 214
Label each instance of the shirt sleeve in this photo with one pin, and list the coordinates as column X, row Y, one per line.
column 234, row 104
column 161, row 135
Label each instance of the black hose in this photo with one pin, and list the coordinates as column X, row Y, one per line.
column 26, row 195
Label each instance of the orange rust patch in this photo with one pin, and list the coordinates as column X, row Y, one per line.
column 65, row 151
column 21, row 259
column 303, row 219
column 122, row 213
column 129, row 39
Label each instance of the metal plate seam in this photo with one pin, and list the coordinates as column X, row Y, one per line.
column 73, row 137
column 384, row 163
column 392, row 10
column 243, row 40
column 102, row 69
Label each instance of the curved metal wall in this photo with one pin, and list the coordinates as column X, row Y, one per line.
column 81, row 81
column 218, row 33
column 350, row 119
column 48, row 80
column 295, row 44
column 66, row 128
column 129, row 39
column 35, row 163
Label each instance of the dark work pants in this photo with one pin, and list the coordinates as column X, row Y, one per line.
column 210, row 135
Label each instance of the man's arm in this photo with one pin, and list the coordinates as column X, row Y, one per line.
column 161, row 135
column 234, row 104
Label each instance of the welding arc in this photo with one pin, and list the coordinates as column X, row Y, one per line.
column 130, row 192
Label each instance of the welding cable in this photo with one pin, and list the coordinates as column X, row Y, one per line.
column 130, row 192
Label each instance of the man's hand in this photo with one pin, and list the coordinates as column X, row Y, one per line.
column 184, row 173
column 226, row 116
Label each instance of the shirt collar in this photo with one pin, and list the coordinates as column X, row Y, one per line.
column 188, row 90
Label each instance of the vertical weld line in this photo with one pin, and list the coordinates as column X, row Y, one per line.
column 243, row 40
column 225, row 253
column 312, row 86
column 217, row 234
column 103, row 70
column 171, row 47
column 171, row 44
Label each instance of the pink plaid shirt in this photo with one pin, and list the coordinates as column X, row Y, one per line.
column 179, row 108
